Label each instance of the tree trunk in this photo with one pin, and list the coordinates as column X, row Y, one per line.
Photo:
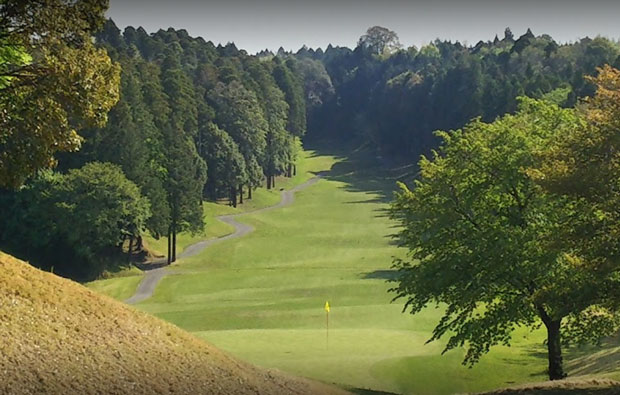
column 268, row 181
column 233, row 196
column 240, row 194
column 273, row 181
column 294, row 170
column 289, row 171
column 174, row 243
column 556, row 372
column 249, row 191
column 169, row 245
column 140, row 244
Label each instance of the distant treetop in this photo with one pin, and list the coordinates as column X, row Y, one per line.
column 380, row 41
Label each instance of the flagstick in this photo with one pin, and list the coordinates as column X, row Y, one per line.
column 327, row 330
column 327, row 325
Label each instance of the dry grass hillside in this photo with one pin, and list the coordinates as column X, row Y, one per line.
column 58, row 337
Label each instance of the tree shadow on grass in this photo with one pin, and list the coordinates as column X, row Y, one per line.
column 364, row 391
column 382, row 275
column 361, row 170
column 585, row 360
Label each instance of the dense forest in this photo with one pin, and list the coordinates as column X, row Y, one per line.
column 395, row 98
column 195, row 121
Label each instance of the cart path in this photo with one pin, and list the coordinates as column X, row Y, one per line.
column 153, row 277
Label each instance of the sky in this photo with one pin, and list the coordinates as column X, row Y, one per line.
column 269, row 24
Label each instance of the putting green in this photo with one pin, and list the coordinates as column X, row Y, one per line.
column 261, row 297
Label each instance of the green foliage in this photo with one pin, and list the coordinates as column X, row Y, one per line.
column 239, row 113
column 278, row 154
column 227, row 167
column 396, row 102
column 558, row 96
column 74, row 223
column 318, row 86
column 186, row 170
column 217, row 85
column 379, row 41
column 581, row 168
column 174, row 90
column 484, row 238
column 132, row 140
column 100, row 208
column 59, row 82
column 12, row 56
column 289, row 82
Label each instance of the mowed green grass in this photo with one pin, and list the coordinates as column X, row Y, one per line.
column 119, row 288
column 261, row 297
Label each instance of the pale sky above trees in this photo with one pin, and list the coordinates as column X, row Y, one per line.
column 258, row 24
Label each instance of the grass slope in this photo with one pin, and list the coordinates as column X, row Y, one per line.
column 261, row 297
column 59, row 337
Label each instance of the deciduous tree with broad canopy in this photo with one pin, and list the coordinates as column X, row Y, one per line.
column 485, row 240
column 53, row 81
column 75, row 223
column 380, row 41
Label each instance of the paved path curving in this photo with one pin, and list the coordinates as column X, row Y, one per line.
column 152, row 277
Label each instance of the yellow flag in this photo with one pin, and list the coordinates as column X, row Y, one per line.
column 327, row 306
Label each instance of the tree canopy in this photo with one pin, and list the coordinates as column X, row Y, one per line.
column 53, row 82
column 379, row 41
column 179, row 102
column 396, row 101
column 81, row 219
column 486, row 238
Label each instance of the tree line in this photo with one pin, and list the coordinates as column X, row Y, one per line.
column 195, row 122
column 187, row 121
column 394, row 98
